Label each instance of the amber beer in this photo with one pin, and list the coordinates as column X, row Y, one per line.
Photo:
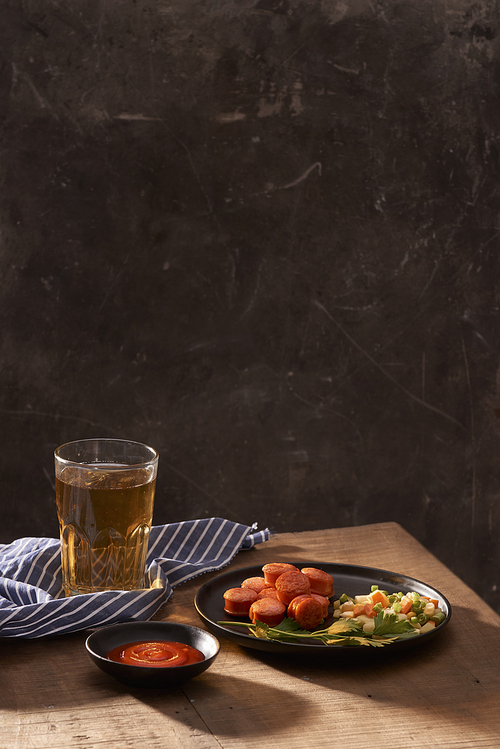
column 104, row 495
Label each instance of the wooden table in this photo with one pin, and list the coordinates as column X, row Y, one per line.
column 444, row 693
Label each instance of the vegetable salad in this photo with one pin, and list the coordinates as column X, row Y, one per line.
column 421, row 612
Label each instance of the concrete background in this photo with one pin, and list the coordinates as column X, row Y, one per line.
column 262, row 236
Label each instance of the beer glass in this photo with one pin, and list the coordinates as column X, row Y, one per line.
column 104, row 495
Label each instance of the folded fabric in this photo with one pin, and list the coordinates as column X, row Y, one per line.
column 32, row 602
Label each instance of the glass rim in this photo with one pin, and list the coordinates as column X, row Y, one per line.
column 82, row 464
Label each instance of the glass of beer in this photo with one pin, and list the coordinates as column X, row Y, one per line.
column 104, row 494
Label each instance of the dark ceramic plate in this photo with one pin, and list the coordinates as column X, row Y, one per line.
column 347, row 578
column 100, row 642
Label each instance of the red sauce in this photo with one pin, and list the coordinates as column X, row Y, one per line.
column 156, row 654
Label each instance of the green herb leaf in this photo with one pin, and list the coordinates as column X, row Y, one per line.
column 260, row 630
column 346, row 632
column 390, row 624
column 289, row 625
column 342, row 626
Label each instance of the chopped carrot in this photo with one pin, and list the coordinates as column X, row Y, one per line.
column 431, row 600
column 379, row 596
column 406, row 606
column 368, row 607
column 358, row 609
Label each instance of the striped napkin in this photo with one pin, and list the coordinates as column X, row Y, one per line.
column 32, row 603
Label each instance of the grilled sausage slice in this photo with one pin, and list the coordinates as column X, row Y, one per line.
column 237, row 601
column 255, row 583
column 289, row 585
column 267, row 611
column 275, row 569
column 321, row 582
column 307, row 612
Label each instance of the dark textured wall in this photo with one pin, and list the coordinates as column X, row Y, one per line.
column 262, row 236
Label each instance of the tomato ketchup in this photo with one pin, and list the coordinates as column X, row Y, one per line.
column 156, row 654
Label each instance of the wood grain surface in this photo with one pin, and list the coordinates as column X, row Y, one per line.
column 444, row 693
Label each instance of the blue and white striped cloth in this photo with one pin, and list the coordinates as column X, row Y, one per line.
column 32, row 603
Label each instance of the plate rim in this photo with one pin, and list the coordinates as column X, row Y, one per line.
column 377, row 573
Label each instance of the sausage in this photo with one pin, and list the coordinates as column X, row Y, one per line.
column 289, row 585
column 321, row 582
column 268, row 593
column 255, row 583
column 237, row 601
column 293, row 604
column 324, row 603
column 267, row 611
column 308, row 613
column 275, row 569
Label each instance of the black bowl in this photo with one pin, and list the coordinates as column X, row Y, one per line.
column 100, row 642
